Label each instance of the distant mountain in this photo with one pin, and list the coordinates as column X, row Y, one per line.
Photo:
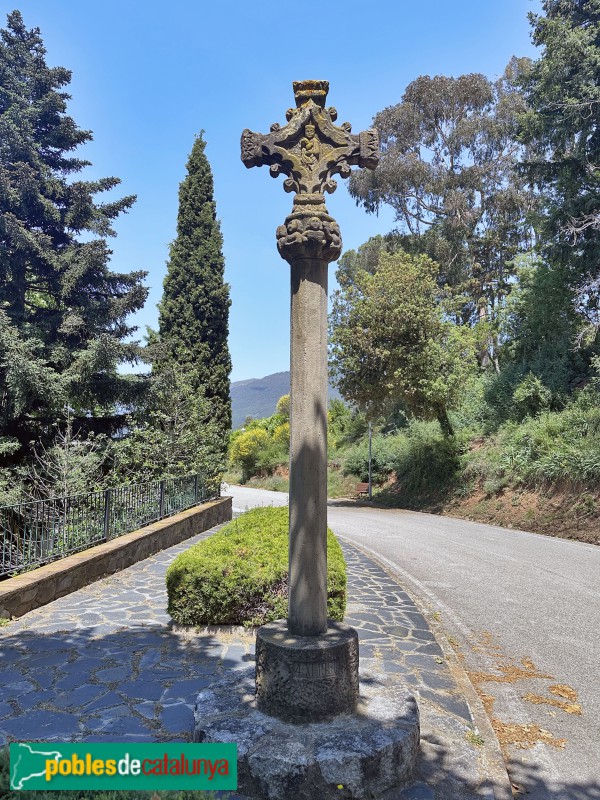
column 257, row 397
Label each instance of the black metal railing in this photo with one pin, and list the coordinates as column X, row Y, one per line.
column 41, row 531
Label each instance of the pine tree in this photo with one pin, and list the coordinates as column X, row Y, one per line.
column 59, row 301
column 194, row 312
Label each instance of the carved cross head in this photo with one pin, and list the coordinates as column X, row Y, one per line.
column 310, row 149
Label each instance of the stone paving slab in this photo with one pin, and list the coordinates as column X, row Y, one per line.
column 105, row 664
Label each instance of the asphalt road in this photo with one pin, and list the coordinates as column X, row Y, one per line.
column 522, row 609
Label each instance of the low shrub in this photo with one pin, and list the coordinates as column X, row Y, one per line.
column 556, row 446
column 340, row 485
column 428, row 460
column 420, row 456
column 273, row 483
column 384, row 454
column 239, row 575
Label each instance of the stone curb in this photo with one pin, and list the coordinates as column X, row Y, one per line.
column 498, row 781
column 33, row 589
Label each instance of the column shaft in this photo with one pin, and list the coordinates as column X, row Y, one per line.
column 308, row 449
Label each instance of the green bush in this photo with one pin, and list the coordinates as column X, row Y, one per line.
column 473, row 414
column 531, row 397
column 246, row 449
column 384, row 454
column 262, row 444
column 421, row 457
column 556, row 446
column 239, row 575
column 428, row 460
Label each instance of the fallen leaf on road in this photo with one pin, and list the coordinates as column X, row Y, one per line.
column 523, row 736
column 538, row 700
column 562, row 690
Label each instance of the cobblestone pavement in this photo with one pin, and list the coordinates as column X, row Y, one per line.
column 104, row 664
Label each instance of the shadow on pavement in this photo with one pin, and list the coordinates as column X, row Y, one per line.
column 533, row 785
column 132, row 684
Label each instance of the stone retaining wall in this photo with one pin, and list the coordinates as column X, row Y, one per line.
column 25, row 592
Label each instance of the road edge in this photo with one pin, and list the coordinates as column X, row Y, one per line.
column 494, row 764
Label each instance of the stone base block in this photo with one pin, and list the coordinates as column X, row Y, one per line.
column 306, row 678
column 368, row 753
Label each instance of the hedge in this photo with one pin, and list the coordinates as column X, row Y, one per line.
column 239, row 575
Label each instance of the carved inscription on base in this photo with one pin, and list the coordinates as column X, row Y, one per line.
column 310, row 670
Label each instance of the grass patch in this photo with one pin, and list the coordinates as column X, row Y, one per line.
column 273, row 483
column 240, row 574
column 555, row 447
column 340, row 485
column 474, row 738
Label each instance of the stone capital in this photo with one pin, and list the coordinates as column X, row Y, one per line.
column 309, row 231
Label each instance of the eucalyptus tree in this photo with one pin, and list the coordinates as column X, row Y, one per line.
column 448, row 170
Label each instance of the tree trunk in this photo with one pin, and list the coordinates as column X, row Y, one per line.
column 444, row 420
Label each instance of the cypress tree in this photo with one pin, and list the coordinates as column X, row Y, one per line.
column 194, row 311
column 62, row 311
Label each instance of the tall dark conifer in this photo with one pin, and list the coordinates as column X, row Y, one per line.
column 62, row 311
column 562, row 129
column 194, row 312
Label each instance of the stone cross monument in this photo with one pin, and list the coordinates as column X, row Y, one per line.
column 307, row 669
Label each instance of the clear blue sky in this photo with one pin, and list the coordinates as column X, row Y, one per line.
column 147, row 76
